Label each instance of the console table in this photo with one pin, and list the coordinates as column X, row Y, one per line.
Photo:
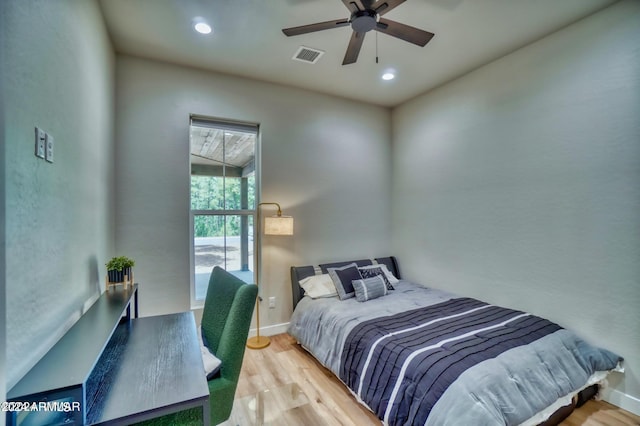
column 116, row 370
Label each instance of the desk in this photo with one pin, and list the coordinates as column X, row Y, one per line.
column 62, row 372
column 152, row 366
column 115, row 369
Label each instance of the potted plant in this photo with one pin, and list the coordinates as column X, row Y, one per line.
column 119, row 267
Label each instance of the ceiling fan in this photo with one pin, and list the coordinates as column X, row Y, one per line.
column 366, row 15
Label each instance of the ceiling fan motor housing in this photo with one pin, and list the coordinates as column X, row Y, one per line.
column 363, row 21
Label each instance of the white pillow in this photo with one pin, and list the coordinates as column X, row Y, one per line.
column 392, row 279
column 210, row 361
column 317, row 286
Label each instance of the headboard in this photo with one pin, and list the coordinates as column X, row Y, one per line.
column 301, row 272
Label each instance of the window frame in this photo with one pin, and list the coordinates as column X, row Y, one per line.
column 231, row 125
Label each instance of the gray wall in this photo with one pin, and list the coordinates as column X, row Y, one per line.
column 3, row 260
column 58, row 71
column 519, row 183
column 325, row 160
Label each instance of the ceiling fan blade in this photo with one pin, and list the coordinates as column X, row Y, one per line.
column 353, row 50
column 320, row 26
column 404, row 32
column 353, row 5
column 383, row 6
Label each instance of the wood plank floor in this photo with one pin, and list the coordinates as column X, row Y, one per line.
column 328, row 402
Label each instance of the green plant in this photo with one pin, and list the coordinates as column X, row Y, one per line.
column 119, row 263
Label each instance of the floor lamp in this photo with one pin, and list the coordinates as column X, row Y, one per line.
column 273, row 225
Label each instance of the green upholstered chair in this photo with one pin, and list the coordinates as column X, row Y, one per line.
column 226, row 318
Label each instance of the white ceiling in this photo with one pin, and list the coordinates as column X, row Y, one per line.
column 247, row 39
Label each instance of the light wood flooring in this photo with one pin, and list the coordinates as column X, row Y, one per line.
column 326, row 401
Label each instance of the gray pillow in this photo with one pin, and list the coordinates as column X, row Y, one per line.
column 342, row 278
column 369, row 288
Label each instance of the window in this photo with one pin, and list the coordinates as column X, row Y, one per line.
column 223, row 200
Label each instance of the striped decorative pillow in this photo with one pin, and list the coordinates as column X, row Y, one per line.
column 369, row 288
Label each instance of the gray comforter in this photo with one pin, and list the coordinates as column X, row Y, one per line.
column 509, row 388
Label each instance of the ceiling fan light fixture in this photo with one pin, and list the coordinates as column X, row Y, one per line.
column 201, row 26
column 363, row 21
column 388, row 75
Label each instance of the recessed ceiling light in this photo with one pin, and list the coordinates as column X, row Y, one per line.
column 388, row 76
column 201, row 26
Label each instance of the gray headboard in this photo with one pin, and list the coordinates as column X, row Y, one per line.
column 301, row 272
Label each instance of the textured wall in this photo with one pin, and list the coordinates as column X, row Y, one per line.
column 324, row 159
column 58, row 71
column 519, row 183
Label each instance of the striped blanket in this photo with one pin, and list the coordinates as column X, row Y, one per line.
column 401, row 365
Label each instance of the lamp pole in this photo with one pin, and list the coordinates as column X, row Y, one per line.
column 281, row 225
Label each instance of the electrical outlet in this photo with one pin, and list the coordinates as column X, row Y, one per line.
column 272, row 303
column 40, row 141
column 49, row 148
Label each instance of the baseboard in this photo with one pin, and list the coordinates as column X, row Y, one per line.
column 622, row 400
column 270, row 330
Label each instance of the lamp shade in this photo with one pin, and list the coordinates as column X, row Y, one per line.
column 278, row 225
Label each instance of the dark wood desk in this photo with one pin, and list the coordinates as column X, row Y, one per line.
column 117, row 370
column 151, row 367
column 62, row 372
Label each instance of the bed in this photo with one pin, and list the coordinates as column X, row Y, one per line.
column 416, row 355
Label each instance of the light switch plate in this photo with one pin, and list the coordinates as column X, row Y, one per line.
column 49, row 148
column 40, row 141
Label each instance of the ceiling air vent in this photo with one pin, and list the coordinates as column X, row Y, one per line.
column 308, row 55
